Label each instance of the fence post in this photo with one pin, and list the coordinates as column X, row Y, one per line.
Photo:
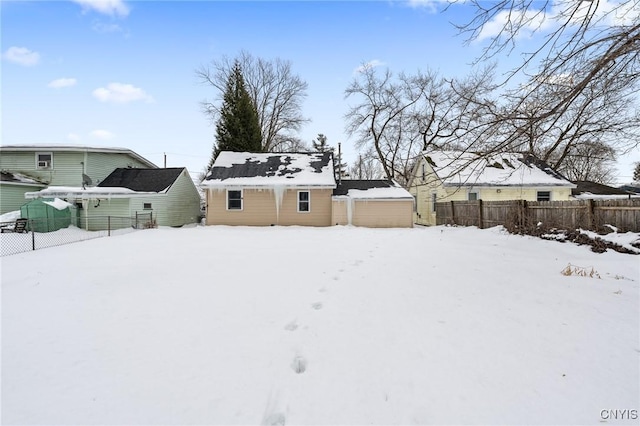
column 590, row 215
column 480, row 218
column 453, row 213
column 137, row 220
column 108, row 226
column 33, row 239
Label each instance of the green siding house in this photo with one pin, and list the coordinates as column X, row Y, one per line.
column 169, row 195
column 29, row 168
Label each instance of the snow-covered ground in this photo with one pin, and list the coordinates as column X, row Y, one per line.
column 340, row 325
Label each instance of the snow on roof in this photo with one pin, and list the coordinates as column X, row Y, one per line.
column 18, row 178
column 58, row 204
column 371, row 189
column 503, row 169
column 86, row 193
column 269, row 169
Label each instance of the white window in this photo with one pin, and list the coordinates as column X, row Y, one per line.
column 424, row 172
column 434, row 198
column 146, row 206
column 544, row 196
column 234, row 199
column 44, row 160
column 473, row 196
column 304, row 201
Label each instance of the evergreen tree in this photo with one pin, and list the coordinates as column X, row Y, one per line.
column 320, row 144
column 238, row 128
column 636, row 173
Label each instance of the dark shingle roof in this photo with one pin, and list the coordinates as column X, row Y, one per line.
column 142, row 180
column 244, row 168
column 345, row 185
column 596, row 189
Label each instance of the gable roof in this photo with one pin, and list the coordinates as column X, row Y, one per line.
column 454, row 168
column 585, row 186
column 75, row 148
column 270, row 169
column 371, row 189
column 142, row 180
column 19, row 179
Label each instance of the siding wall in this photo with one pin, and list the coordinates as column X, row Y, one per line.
column 13, row 196
column 373, row 213
column 383, row 213
column 260, row 209
column 183, row 202
column 99, row 165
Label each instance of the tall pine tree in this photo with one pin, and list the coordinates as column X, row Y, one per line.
column 238, row 128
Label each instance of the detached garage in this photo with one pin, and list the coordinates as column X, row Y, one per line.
column 373, row 204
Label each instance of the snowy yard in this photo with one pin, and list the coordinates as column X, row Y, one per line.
column 341, row 325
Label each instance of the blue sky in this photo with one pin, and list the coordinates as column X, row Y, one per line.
column 117, row 73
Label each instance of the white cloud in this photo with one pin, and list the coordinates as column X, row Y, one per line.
column 368, row 65
column 106, row 7
column 533, row 20
column 121, row 93
column 62, row 82
column 101, row 27
column 73, row 137
column 21, row 56
column 430, row 5
column 102, row 134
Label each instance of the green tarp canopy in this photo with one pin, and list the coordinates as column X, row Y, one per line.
column 47, row 215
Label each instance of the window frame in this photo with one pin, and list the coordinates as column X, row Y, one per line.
column 241, row 199
column 38, row 161
column 470, row 193
column 299, row 202
column 147, row 206
column 548, row 197
column 434, row 198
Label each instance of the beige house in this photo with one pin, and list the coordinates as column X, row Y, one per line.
column 457, row 176
column 262, row 189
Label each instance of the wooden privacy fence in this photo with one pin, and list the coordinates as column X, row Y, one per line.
column 526, row 215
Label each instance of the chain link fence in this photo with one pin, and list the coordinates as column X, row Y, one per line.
column 51, row 232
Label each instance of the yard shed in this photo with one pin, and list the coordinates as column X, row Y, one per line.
column 48, row 215
column 372, row 203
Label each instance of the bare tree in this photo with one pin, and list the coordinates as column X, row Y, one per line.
column 398, row 117
column 366, row 166
column 590, row 161
column 590, row 54
column 276, row 91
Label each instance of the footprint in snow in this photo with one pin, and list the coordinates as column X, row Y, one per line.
column 299, row 364
column 275, row 419
column 292, row 326
column 317, row 306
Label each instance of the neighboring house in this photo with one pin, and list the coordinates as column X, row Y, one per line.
column 297, row 189
column 13, row 186
column 586, row 190
column 455, row 176
column 372, row 203
column 169, row 195
column 634, row 189
column 57, row 165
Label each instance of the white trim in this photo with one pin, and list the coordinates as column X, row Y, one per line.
column 308, row 201
column 241, row 199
